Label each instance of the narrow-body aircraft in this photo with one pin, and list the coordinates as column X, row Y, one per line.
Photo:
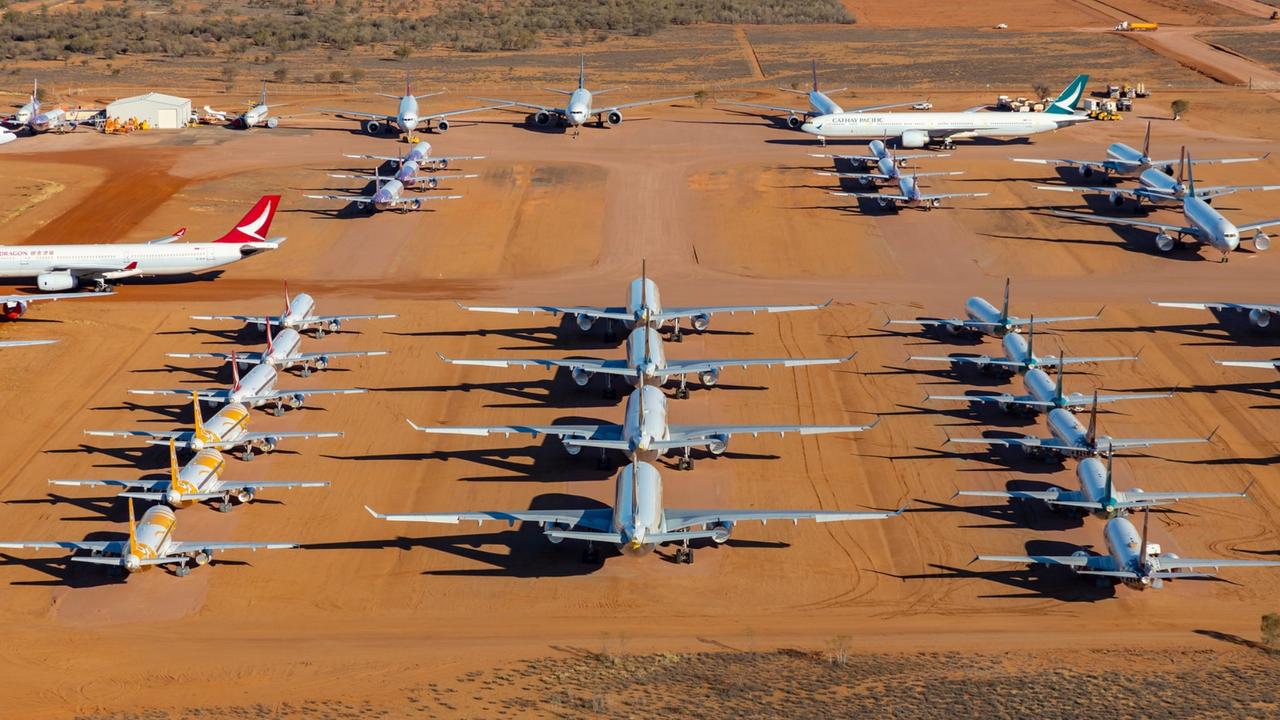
column 1019, row 356
column 299, row 314
column 408, row 117
column 284, row 352
column 256, row 389
column 1043, row 394
column 388, row 194
column 1125, row 160
column 983, row 318
column 910, row 194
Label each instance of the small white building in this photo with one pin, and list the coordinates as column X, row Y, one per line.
column 164, row 112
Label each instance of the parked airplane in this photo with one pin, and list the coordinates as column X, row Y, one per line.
column 418, row 160
column 1156, row 187
column 1260, row 314
column 1070, row 439
column 643, row 307
column 886, row 172
column 407, row 118
column 647, row 364
column 644, row 432
column 35, row 121
column 388, row 194
column 982, row 318
column 1125, row 160
column 909, row 194
column 409, row 178
column 200, row 480
column 1043, row 394
column 64, row 267
column 1130, row 559
column 638, row 522
column 256, row 389
column 1097, row 494
column 227, row 430
column 283, row 352
column 150, row 543
column 880, row 152
column 299, row 314
column 257, row 114
column 918, row 129
column 22, row 343
column 13, row 307
column 1202, row 223
column 579, row 109
column 820, row 103
column 1019, row 356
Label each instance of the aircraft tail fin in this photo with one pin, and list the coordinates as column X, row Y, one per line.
column 1182, row 165
column 1004, row 308
column 235, row 370
column 582, row 71
column 1146, row 521
column 1191, row 176
column 1108, row 493
column 1058, row 396
column 255, row 224
column 270, row 340
column 133, row 531
column 173, row 463
column 1070, row 97
column 1031, row 338
column 1146, row 142
column 1091, row 435
column 287, row 301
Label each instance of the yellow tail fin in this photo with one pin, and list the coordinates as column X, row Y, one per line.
column 133, row 533
column 173, row 463
column 198, row 431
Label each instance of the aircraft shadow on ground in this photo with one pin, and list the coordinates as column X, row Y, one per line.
column 1230, row 328
column 956, row 372
column 1051, row 583
column 563, row 336
column 966, row 415
column 140, row 456
column 929, row 334
column 1008, row 514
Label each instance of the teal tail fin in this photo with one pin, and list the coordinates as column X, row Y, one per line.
column 1070, row 97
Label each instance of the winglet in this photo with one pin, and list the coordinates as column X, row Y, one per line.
column 198, row 430
column 413, row 425
column 442, row 357
column 375, row 513
column 1092, row 433
column 235, row 368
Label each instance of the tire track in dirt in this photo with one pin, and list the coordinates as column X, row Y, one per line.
column 749, row 52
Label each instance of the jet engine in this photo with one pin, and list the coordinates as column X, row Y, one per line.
column 431, row 183
column 1261, row 241
column 1259, row 317
column 57, row 281
column 172, row 497
column 700, row 322
column 542, row 118
column 296, row 400
column 246, row 495
column 1087, row 171
column 585, row 322
column 442, row 163
column 794, row 122
column 1164, row 241
column 571, row 449
column 13, row 310
column 372, row 127
column 1117, row 199
column 442, row 125
column 554, row 540
column 914, row 139
column 322, row 362
column 202, row 558
column 722, row 532
column 709, row 377
column 719, row 443
column 580, row 377
column 614, row 117
column 272, row 122
column 334, row 325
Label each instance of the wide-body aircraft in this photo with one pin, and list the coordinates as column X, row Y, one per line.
column 820, row 103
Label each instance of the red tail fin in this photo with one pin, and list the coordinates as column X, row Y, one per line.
column 253, row 227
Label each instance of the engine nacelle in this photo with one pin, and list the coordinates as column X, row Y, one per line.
column 57, row 281
column 1259, row 318
column 246, row 495
column 1117, row 199
column 172, row 497
column 272, row 122
column 1261, row 241
column 553, row 539
column 1165, row 242
column 13, row 310
column 442, row 125
column 322, row 362
column 296, row 400
column 1086, row 171
column 953, row 329
column 580, row 376
column 372, row 127
column 334, row 325
column 700, row 322
column 914, row 139
column 571, row 449
column 542, row 118
column 613, row 118
column 585, row 322
column 721, row 532
column 709, row 377
column 719, row 443
column 432, row 183
column 793, row 121
column 202, row 558
column 268, row 444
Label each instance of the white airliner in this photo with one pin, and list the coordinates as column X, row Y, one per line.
column 1097, row 494
column 638, row 522
column 1043, row 394
column 259, row 114
column 820, row 103
column 886, row 168
column 200, row 480
column 1125, row 160
column 31, row 118
column 644, row 432
column 643, row 307
column 299, row 314
column 150, row 543
column 880, row 152
column 918, row 129
column 910, row 194
column 1260, row 314
column 283, row 352
column 982, row 318
column 579, row 109
column 227, row 430
column 1131, row 560
column 1019, row 356
column 256, row 389
column 407, row 117
column 388, row 194
column 1070, row 439
column 411, row 165
column 1201, row 222
column 58, row 268
column 13, row 307
column 647, row 364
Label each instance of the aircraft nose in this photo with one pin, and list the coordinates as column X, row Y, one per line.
column 809, row 127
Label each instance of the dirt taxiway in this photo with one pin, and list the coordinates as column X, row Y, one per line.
column 724, row 207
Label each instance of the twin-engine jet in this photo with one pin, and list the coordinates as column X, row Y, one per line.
column 638, row 522
column 1019, row 356
column 982, row 318
column 150, row 543
column 1043, row 394
column 1131, row 560
column 227, row 430
column 407, row 117
column 199, row 480
column 283, row 352
column 820, row 103
column 644, row 432
column 910, row 194
column 1125, row 160
column 34, row 120
column 411, row 166
column 388, row 194
column 299, row 314
column 13, row 307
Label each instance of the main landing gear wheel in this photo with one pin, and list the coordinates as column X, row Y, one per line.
column 684, row 463
column 603, row 462
column 278, row 410
column 306, row 371
column 684, row 556
column 182, row 570
column 225, row 504
column 590, row 555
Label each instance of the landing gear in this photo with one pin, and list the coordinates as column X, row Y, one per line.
column 684, row 556
column 948, row 144
column 225, row 504
column 602, row 463
column 676, row 335
column 590, row 555
column 306, row 371
column 247, row 454
column 319, row 332
column 100, row 285
column 182, row 570
column 609, row 392
column 610, row 334
column 685, row 462
column 278, row 410
column 683, row 392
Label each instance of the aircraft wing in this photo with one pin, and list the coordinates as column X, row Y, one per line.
column 1018, row 442
column 1043, row 495
column 1081, row 400
column 153, row 434
column 1258, row 225
column 1166, row 563
column 1216, row 190
column 944, row 196
column 389, row 119
column 531, row 106
column 609, row 313
column 265, row 397
column 1002, row 399
column 758, row 106
column 185, row 546
column 1211, row 161
column 263, row 319
column 208, row 395
column 1101, row 165
column 104, row 546
column 1219, row 306
column 22, row 343
column 248, row 357
column 679, row 367
column 677, row 520
column 256, row 436
column 693, row 433
column 1132, row 443
column 638, row 103
column 1026, row 322
column 343, row 318
column 1099, row 562
column 609, row 367
column 955, row 322
column 1052, row 361
column 1128, row 192
column 594, row 518
column 872, row 195
column 979, row 360
column 1134, row 222
column 877, row 176
column 110, row 483
column 1249, row 363
column 595, row 432
column 451, row 113
column 51, row 296
column 675, row 313
column 1138, row 499
column 344, row 198
column 860, row 158
column 313, row 357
